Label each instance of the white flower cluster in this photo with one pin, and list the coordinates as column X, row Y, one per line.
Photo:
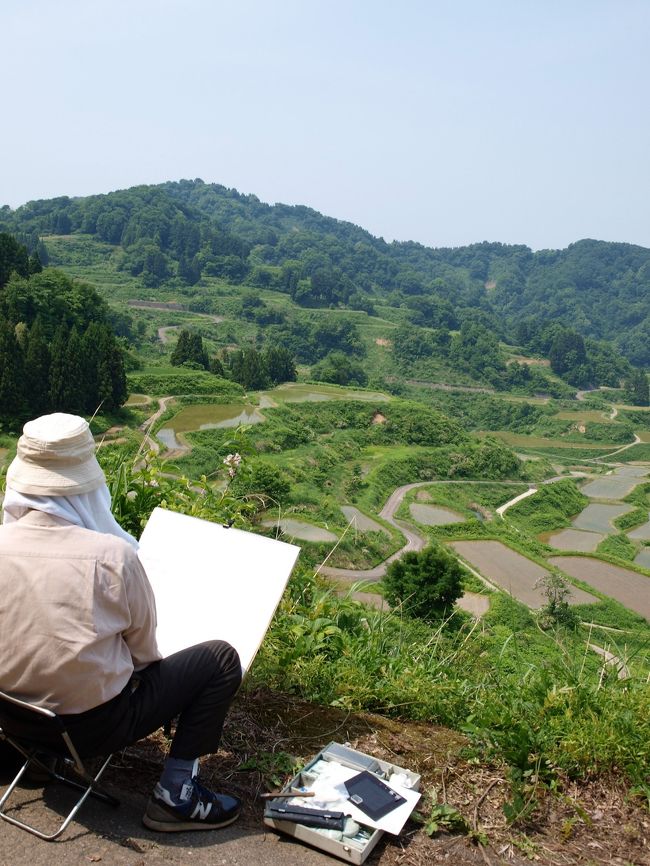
column 232, row 461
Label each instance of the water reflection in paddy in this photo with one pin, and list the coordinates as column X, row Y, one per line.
column 643, row 558
column 206, row 416
column 574, row 539
column 629, row 587
column 168, row 439
column 300, row 529
column 617, row 485
column 598, row 518
column 360, row 520
column 433, row 515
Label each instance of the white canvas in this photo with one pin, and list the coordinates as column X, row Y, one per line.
column 213, row 582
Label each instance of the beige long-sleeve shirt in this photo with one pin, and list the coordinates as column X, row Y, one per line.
column 77, row 614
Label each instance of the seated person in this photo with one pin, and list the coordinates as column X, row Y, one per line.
column 78, row 626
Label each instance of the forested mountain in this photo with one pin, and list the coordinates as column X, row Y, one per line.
column 178, row 232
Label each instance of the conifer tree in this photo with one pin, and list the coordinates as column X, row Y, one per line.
column 196, row 351
column 58, row 350
column 12, row 395
column 91, row 341
column 37, row 367
column 182, row 348
column 74, row 390
column 280, row 365
column 111, row 376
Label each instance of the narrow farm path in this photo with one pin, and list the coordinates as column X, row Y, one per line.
column 506, row 505
column 148, row 441
column 637, row 440
column 473, row 603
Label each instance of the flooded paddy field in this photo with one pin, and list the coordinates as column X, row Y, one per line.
column 302, row 530
column 573, row 539
column 643, row 558
column 624, row 585
column 598, row 518
column 207, row 416
column 361, row 521
column 434, row 515
column 617, row 485
column 210, row 416
column 512, row 572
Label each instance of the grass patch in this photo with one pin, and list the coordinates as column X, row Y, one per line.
column 552, row 507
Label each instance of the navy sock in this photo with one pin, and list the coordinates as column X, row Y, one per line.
column 176, row 774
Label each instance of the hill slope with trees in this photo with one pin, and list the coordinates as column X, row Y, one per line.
column 180, row 234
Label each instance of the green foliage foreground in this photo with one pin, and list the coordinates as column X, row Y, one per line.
column 539, row 701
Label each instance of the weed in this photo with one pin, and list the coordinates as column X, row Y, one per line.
column 273, row 767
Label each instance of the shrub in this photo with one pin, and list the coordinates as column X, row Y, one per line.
column 425, row 584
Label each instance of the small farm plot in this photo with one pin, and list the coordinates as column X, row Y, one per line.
column 512, row 571
column 598, row 517
column 609, row 488
column 430, row 515
column 573, row 539
column 361, row 521
column 629, row 587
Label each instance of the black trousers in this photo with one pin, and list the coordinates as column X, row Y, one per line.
column 197, row 684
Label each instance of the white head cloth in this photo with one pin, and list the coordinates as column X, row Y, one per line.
column 89, row 510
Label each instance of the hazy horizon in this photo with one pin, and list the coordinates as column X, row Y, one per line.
column 444, row 123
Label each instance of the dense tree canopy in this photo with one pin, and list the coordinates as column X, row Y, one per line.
column 426, row 584
column 180, row 233
column 57, row 350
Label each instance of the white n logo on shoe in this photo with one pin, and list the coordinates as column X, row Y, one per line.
column 202, row 810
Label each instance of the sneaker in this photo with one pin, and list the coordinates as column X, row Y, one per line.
column 199, row 809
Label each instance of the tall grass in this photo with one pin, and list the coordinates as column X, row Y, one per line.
column 535, row 700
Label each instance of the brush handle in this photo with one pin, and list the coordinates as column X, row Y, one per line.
column 279, row 794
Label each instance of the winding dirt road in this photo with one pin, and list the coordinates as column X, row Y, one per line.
column 414, row 541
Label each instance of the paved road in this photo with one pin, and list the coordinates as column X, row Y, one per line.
column 116, row 837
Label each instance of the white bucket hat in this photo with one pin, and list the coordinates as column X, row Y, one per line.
column 55, row 457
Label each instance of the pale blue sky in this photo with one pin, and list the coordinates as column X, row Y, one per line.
column 522, row 121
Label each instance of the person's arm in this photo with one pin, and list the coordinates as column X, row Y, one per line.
column 140, row 637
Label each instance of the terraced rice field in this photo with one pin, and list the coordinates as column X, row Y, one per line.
column 629, row 587
column 641, row 533
column 574, row 539
column 611, row 486
column 360, row 520
column 521, row 440
column 589, row 415
column 598, row 517
column 512, row 572
column 434, row 515
column 643, row 558
column 303, row 531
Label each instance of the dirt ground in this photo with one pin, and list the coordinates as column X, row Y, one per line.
column 268, row 734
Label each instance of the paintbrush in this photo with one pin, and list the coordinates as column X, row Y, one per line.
column 275, row 794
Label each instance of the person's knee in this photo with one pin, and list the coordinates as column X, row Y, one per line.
column 226, row 660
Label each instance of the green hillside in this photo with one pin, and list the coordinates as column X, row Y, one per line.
column 180, row 236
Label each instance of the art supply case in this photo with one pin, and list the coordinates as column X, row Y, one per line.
column 351, row 849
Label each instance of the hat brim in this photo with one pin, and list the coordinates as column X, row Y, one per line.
column 35, row 480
